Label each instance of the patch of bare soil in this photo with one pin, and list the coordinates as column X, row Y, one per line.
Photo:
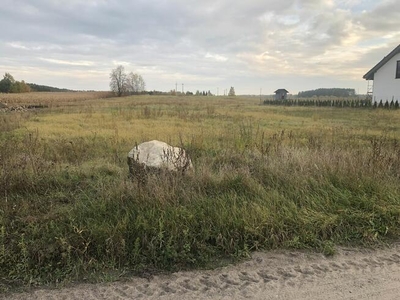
column 350, row 274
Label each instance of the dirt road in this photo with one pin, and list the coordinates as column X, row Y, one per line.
column 350, row 274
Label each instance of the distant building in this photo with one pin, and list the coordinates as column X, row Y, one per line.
column 386, row 78
column 281, row 94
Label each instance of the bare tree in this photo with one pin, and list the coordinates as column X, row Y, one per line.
column 132, row 82
column 141, row 84
column 135, row 83
column 118, row 83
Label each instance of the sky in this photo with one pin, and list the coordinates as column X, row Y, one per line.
column 205, row 45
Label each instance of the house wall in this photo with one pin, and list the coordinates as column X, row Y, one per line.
column 280, row 96
column 386, row 86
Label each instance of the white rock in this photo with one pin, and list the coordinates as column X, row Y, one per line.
column 158, row 155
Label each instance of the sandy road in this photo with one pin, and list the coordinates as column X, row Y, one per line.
column 350, row 274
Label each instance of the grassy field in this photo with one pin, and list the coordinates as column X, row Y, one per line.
column 51, row 99
column 265, row 177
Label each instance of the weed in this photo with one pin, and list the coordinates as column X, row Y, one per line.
column 264, row 178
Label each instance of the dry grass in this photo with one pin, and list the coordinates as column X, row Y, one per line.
column 265, row 177
column 51, row 99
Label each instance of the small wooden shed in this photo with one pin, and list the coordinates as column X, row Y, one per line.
column 281, row 94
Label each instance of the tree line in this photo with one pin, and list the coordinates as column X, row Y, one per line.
column 205, row 93
column 9, row 85
column 337, row 92
column 45, row 88
column 344, row 102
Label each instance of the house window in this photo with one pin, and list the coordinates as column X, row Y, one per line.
column 398, row 69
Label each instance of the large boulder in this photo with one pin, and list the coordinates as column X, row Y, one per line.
column 159, row 156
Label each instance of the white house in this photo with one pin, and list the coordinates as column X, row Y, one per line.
column 386, row 77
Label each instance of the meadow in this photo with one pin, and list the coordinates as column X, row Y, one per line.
column 265, row 177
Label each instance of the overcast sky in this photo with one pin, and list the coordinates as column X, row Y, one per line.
column 204, row 44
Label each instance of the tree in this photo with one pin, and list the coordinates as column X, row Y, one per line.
column 121, row 83
column 232, row 91
column 118, row 83
column 6, row 83
column 135, row 83
column 20, row 87
column 337, row 92
column 141, row 84
column 132, row 83
column 9, row 77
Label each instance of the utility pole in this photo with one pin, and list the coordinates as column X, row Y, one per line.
column 176, row 87
column 182, row 88
column 217, row 91
column 260, row 94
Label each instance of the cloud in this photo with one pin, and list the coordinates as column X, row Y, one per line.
column 203, row 44
column 17, row 46
column 216, row 57
column 383, row 19
column 65, row 62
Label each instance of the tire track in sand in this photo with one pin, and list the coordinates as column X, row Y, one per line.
column 350, row 274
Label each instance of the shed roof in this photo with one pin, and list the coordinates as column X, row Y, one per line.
column 281, row 90
column 370, row 74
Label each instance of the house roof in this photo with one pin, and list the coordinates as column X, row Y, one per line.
column 281, row 90
column 370, row 74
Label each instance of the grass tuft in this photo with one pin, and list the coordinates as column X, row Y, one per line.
column 68, row 209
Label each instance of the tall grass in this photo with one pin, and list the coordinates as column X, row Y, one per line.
column 51, row 98
column 69, row 210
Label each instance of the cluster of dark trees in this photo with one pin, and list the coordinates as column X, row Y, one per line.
column 334, row 103
column 208, row 93
column 390, row 105
column 154, row 92
column 45, row 88
column 337, row 92
column 9, row 85
column 203, row 93
column 199, row 93
column 321, row 103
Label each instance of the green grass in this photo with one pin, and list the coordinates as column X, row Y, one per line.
column 265, row 178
